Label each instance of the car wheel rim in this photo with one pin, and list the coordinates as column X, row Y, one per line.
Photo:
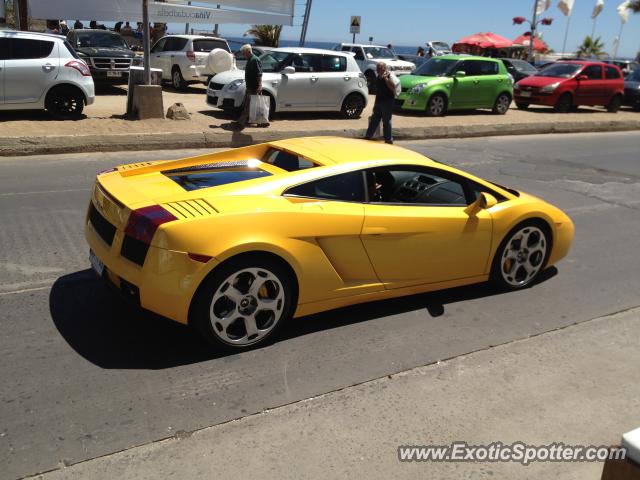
column 437, row 105
column 503, row 103
column 352, row 107
column 523, row 256
column 176, row 79
column 66, row 105
column 247, row 306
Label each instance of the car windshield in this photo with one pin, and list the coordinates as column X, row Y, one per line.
column 634, row 76
column 379, row 52
column 560, row 70
column 435, row 67
column 440, row 46
column 99, row 39
column 523, row 66
column 274, row 61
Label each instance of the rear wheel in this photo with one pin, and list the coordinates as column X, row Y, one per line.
column 522, row 105
column 502, row 103
column 177, row 80
column 437, row 105
column 65, row 103
column 352, row 106
column 564, row 103
column 521, row 256
column 244, row 302
column 614, row 105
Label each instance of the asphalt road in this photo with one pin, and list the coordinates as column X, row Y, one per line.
column 84, row 375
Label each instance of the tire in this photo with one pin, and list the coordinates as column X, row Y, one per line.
column 232, row 315
column 515, row 265
column 371, row 81
column 65, row 103
column 177, row 80
column 437, row 105
column 564, row 103
column 352, row 106
column 614, row 105
column 522, row 105
column 502, row 104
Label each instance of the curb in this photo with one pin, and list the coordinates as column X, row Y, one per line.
column 21, row 146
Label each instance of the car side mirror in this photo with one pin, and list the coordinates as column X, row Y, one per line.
column 583, row 77
column 484, row 202
column 288, row 70
column 460, row 74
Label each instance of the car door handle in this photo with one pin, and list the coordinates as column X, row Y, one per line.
column 475, row 82
column 374, row 230
column 47, row 67
column 275, row 83
column 314, row 79
column 347, row 78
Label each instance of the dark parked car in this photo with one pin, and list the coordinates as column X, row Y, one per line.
column 632, row 89
column 519, row 69
column 417, row 60
column 106, row 53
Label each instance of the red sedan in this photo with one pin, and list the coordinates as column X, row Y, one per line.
column 568, row 84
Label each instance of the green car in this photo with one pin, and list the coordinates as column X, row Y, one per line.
column 456, row 82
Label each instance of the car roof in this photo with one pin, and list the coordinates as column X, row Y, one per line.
column 582, row 62
column 307, row 50
column 195, row 37
column 339, row 150
column 361, row 45
column 453, row 56
column 19, row 33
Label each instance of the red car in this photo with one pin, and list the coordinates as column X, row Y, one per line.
column 568, row 84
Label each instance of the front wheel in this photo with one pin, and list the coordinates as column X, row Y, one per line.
column 352, row 106
column 564, row 103
column 65, row 103
column 437, row 105
column 502, row 103
column 522, row 105
column 521, row 256
column 614, row 105
column 244, row 303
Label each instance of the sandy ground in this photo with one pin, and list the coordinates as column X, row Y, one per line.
column 106, row 116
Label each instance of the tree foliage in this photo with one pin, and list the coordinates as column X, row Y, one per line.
column 591, row 47
column 266, row 35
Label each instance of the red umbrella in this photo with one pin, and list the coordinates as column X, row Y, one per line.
column 486, row 40
column 538, row 45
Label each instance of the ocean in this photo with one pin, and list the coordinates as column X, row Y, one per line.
column 236, row 42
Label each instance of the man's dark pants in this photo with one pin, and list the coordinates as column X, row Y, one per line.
column 382, row 110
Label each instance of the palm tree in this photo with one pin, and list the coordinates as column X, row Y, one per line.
column 635, row 6
column 591, row 47
column 266, row 35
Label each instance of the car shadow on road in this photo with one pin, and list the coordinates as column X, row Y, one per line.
column 112, row 334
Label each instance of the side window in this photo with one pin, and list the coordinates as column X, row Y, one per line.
column 594, row 72
column 334, row 63
column 170, row 45
column 307, row 63
column 359, row 53
column 415, row 186
column 488, row 68
column 345, row 48
column 611, row 73
column 346, row 187
column 159, row 46
column 473, row 68
column 476, row 189
column 287, row 161
column 4, row 48
column 23, row 49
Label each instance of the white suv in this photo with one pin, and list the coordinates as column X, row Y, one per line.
column 183, row 58
column 368, row 57
column 40, row 71
column 298, row 80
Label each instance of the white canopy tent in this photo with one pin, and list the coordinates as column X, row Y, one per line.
column 272, row 12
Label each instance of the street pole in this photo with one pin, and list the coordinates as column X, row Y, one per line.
column 146, row 40
column 215, row 29
column 186, row 27
column 615, row 52
column 593, row 30
column 533, row 29
column 354, row 38
column 566, row 32
column 305, row 24
column 3, row 16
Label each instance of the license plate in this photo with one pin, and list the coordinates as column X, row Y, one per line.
column 114, row 74
column 525, row 94
column 96, row 264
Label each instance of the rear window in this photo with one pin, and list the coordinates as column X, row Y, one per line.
column 208, row 45
column 214, row 178
column 23, row 48
column 71, row 50
column 175, row 44
column 611, row 73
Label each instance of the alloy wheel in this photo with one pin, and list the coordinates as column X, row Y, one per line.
column 177, row 80
column 247, row 306
column 523, row 256
column 502, row 104
column 66, row 106
column 436, row 105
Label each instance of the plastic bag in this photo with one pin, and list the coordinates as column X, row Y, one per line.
column 259, row 109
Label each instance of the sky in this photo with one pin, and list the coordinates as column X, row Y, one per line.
column 414, row 22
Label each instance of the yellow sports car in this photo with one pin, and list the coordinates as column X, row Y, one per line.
column 237, row 242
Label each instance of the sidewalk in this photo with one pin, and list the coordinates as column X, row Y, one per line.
column 577, row 385
column 105, row 129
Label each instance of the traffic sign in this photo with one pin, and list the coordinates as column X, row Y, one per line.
column 355, row 24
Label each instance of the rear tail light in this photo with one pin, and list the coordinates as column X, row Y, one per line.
column 191, row 55
column 144, row 222
column 80, row 66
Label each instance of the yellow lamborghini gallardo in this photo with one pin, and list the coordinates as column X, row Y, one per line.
column 236, row 243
